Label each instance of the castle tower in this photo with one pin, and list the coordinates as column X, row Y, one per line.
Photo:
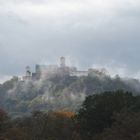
column 28, row 71
column 62, row 62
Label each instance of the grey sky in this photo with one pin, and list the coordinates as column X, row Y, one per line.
column 91, row 33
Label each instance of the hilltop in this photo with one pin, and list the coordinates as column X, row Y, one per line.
column 58, row 93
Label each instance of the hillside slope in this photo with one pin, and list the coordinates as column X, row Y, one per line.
column 58, row 93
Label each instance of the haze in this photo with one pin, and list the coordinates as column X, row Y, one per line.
column 90, row 33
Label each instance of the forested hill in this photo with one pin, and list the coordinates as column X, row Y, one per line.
column 58, row 93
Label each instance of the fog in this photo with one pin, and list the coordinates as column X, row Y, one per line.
column 91, row 33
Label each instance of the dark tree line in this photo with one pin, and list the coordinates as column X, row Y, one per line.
column 106, row 116
column 101, row 112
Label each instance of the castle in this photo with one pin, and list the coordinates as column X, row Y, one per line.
column 48, row 71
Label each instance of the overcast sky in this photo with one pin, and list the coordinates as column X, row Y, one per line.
column 90, row 33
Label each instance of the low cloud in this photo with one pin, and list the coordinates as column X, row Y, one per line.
column 90, row 32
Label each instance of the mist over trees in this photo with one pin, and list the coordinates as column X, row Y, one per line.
column 58, row 93
column 93, row 107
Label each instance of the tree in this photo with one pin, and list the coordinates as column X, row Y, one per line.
column 49, row 126
column 16, row 133
column 97, row 111
column 4, row 121
column 125, row 127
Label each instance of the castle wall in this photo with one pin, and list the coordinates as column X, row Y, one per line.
column 47, row 71
column 79, row 73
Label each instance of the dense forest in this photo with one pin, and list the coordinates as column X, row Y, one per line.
column 93, row 107
column 105, row 116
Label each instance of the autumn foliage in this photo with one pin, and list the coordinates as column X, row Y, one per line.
column 66, row 114
column 105, row 116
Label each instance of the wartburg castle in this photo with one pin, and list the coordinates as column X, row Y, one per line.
column 60, row 70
